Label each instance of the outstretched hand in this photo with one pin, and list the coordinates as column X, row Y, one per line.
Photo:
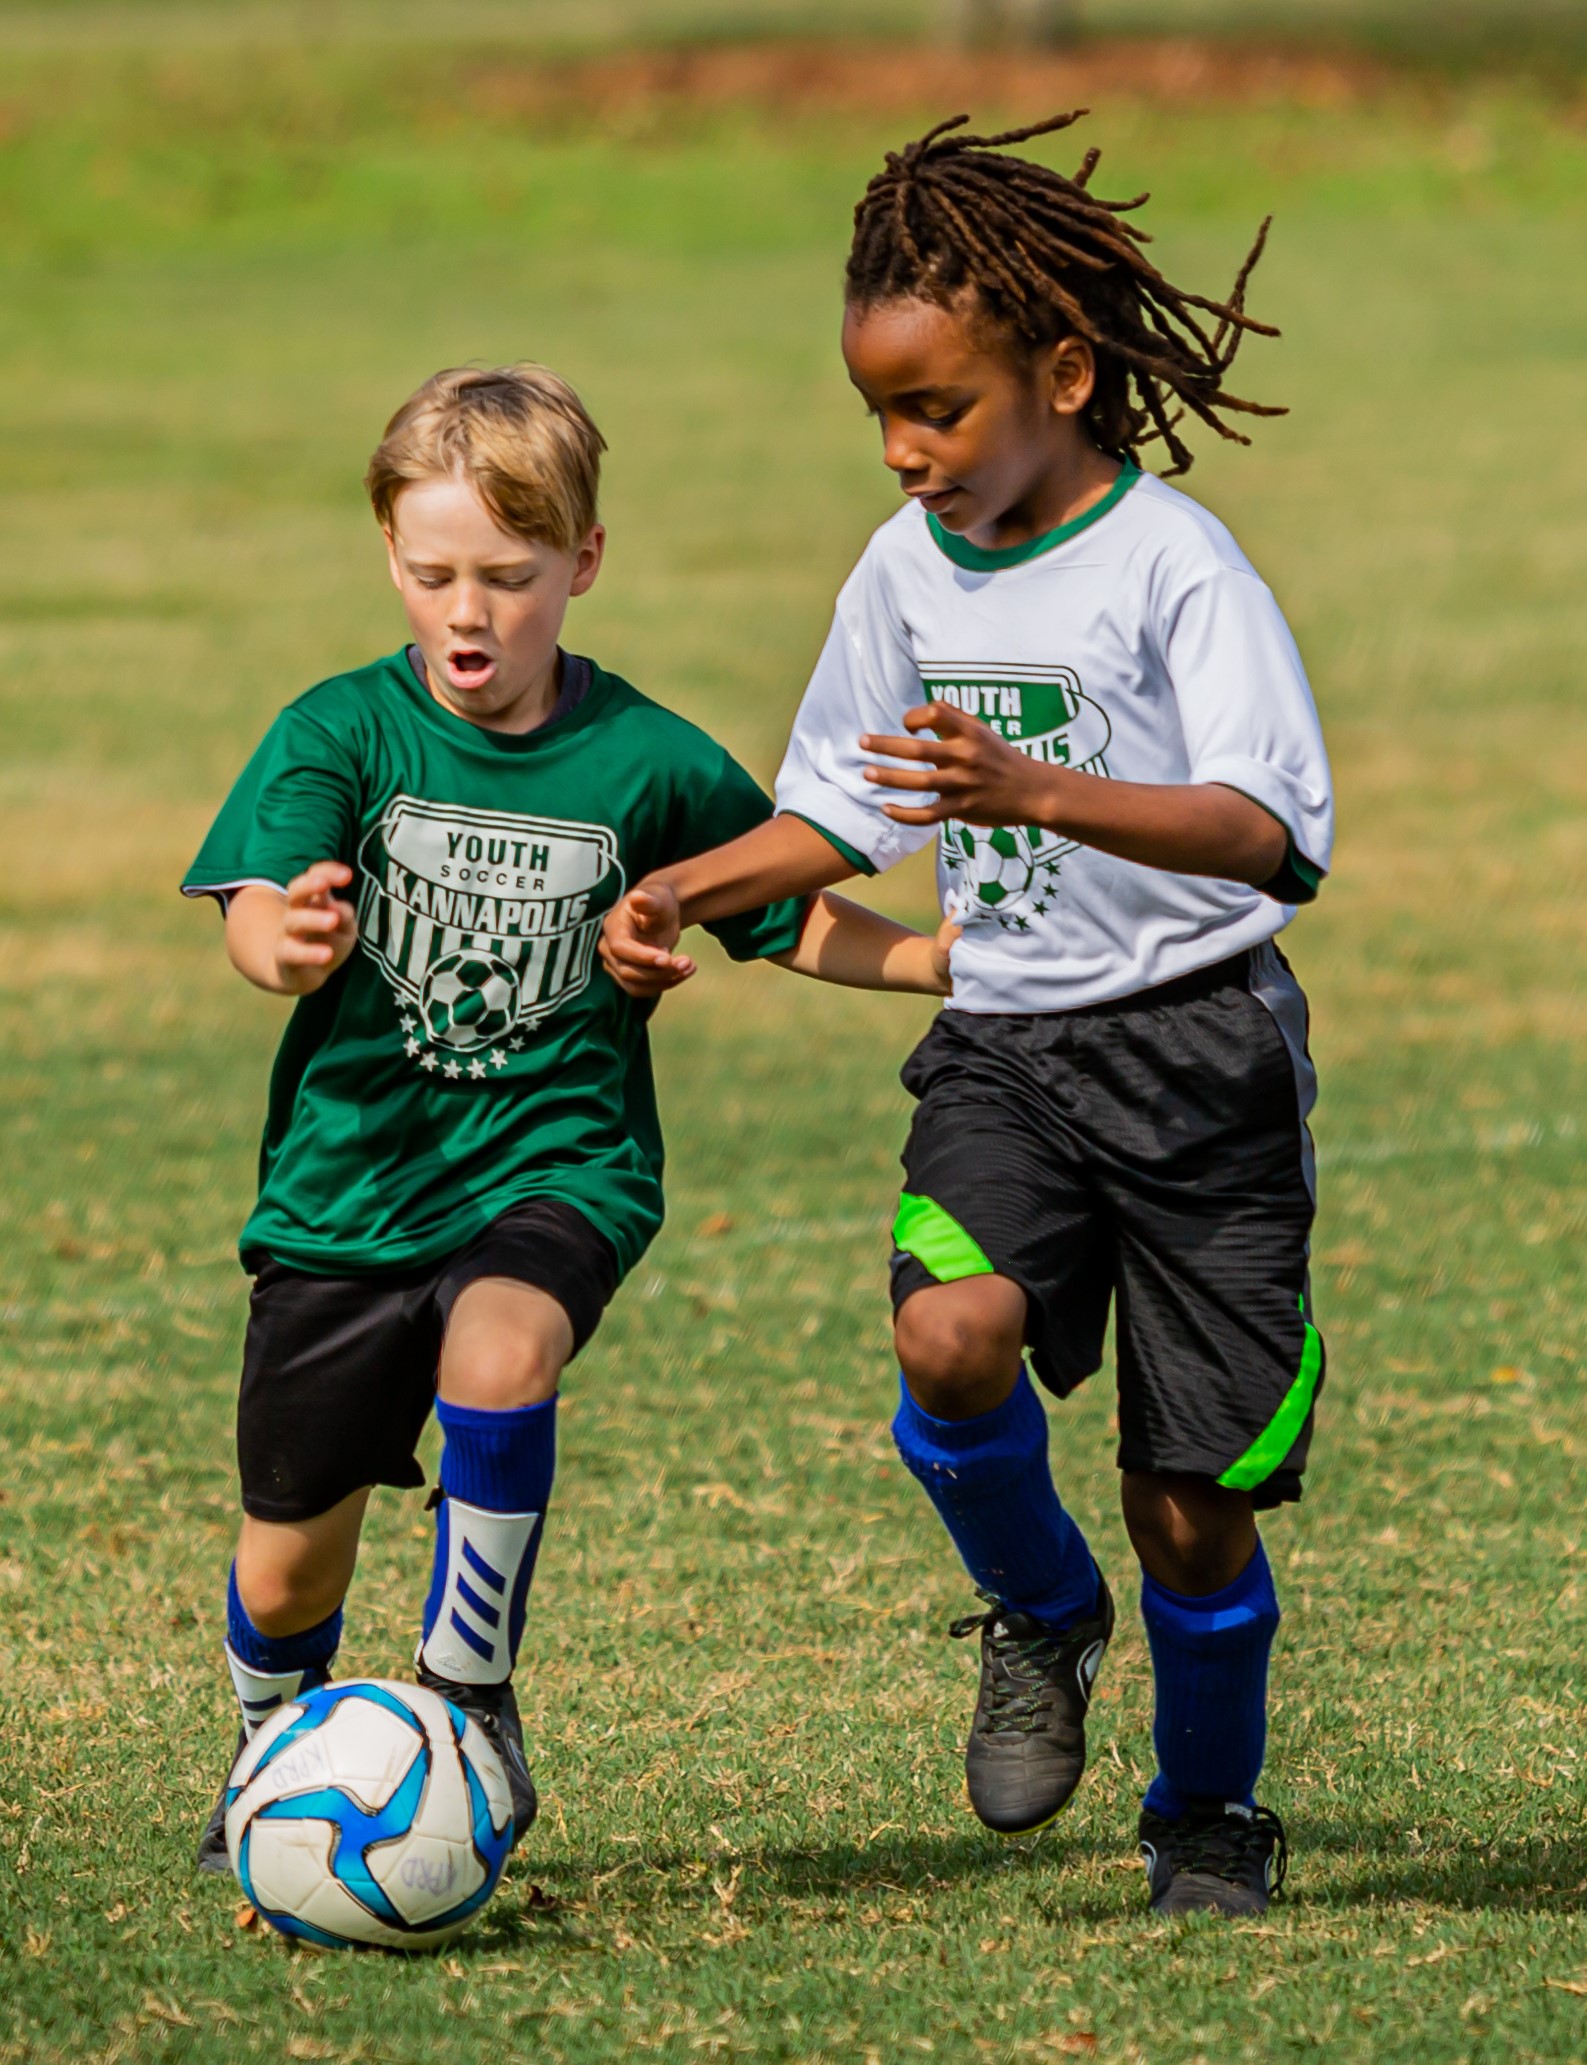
column 637, row 942
column 975, row 776
column 318, row 928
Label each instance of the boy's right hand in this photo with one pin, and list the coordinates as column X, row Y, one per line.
column 318, row 930
column 637, row 941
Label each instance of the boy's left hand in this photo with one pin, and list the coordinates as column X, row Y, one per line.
column 977, row 777
column 949, row 932
column 638, row 938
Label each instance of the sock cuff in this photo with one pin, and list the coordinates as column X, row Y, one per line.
column 1011, row 1432
column 501, row 1461
column 276, row 1655
column 1246, row 1601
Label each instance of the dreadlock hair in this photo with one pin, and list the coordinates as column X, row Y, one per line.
column 1046, row 259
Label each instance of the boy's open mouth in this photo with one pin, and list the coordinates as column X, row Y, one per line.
column 468, row 667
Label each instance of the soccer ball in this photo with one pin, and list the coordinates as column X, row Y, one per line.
column 469, row 999
column 369, row 1813
column 1000, row 864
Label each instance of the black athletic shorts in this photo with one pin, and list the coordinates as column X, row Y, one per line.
column 338, row 1372
column 1154, row 1150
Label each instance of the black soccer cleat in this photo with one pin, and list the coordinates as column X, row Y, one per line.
column 1219, row 1860
column 495, row 1708
column 1027, row 1747
column 212, row 1854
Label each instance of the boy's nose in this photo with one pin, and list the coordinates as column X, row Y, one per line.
column 899, row 453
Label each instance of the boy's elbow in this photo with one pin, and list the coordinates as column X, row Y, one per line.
column 1258, row 842
column 1269, row 851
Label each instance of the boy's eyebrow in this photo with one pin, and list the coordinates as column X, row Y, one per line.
column 489, row 566
column 924, row 392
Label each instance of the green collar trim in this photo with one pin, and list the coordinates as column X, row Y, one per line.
column 980, row 561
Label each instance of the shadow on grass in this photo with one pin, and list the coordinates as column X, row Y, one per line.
column 1360, row 1863
column 1336, row 1865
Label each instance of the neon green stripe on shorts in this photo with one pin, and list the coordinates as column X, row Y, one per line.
column 937, row 1241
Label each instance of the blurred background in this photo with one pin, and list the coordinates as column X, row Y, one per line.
column 232, row 238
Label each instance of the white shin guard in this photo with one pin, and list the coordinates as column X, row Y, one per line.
column 470, row 1641
column 259, row 1693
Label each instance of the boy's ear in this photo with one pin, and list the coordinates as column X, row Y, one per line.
column 587, row 560
column 391, row 556
column 1072, row 375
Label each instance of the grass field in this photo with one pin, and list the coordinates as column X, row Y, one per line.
column 745, row 1721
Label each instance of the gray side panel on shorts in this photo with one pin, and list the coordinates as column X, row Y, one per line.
column 1274, row 986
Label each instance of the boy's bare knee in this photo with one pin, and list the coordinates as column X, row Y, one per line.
column 506, row 1346
column 282, row 1601
column 497, row 1376
column 959, row 1345
column 1190, row 1533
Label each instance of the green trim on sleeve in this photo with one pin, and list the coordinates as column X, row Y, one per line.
column 976, row 559
column 937, row 1241
column 1266, row 1454
column 851, row 854
column 1297, row 880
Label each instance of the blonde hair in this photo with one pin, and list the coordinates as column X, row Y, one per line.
column 519, row 436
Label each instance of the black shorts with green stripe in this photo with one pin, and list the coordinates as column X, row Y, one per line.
column 1154, row 1150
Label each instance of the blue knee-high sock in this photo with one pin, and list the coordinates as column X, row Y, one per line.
column 1209, row 1659
column 268, row 1670
column 496, row 1473
column 989, row 1481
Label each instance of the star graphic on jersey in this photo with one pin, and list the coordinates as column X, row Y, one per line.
column 409, row 1023
column 497, row 1058
column 1041, row 908
column 476, row 1069
column 410, row 1046
column 429, row 1063
column 451, row 1071
column 516, row 1043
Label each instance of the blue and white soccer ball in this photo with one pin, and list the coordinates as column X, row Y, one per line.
column 369, row 1812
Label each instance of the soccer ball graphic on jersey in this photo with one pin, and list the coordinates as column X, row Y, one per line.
column 469, row 999
column 369, row 1813
column 1000, row 863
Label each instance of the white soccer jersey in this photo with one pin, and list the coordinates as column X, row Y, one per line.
column 1136, row 642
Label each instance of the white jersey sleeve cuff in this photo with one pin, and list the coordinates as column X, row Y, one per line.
column 223, row 892
column 1305, row 820
column 853, row 827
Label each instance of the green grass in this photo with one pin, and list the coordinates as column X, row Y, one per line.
column 743, row 1715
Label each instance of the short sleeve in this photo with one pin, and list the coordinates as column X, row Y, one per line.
column 295, row 802
column 864, row 681
column 1248, row 716
column 722, row 805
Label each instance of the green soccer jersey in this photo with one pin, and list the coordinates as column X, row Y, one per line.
column 471, row 1052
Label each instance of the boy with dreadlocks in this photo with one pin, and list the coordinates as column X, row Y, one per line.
column 1071, row 674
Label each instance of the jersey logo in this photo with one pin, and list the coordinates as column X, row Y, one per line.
column 1008, row 874
column 483, row 922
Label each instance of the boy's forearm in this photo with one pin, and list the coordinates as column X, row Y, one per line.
column 1187, row 828
column 253, row 928
column 845, row 943
column 783, row 857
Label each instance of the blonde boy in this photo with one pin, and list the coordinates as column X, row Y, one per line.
column 461, row 1156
